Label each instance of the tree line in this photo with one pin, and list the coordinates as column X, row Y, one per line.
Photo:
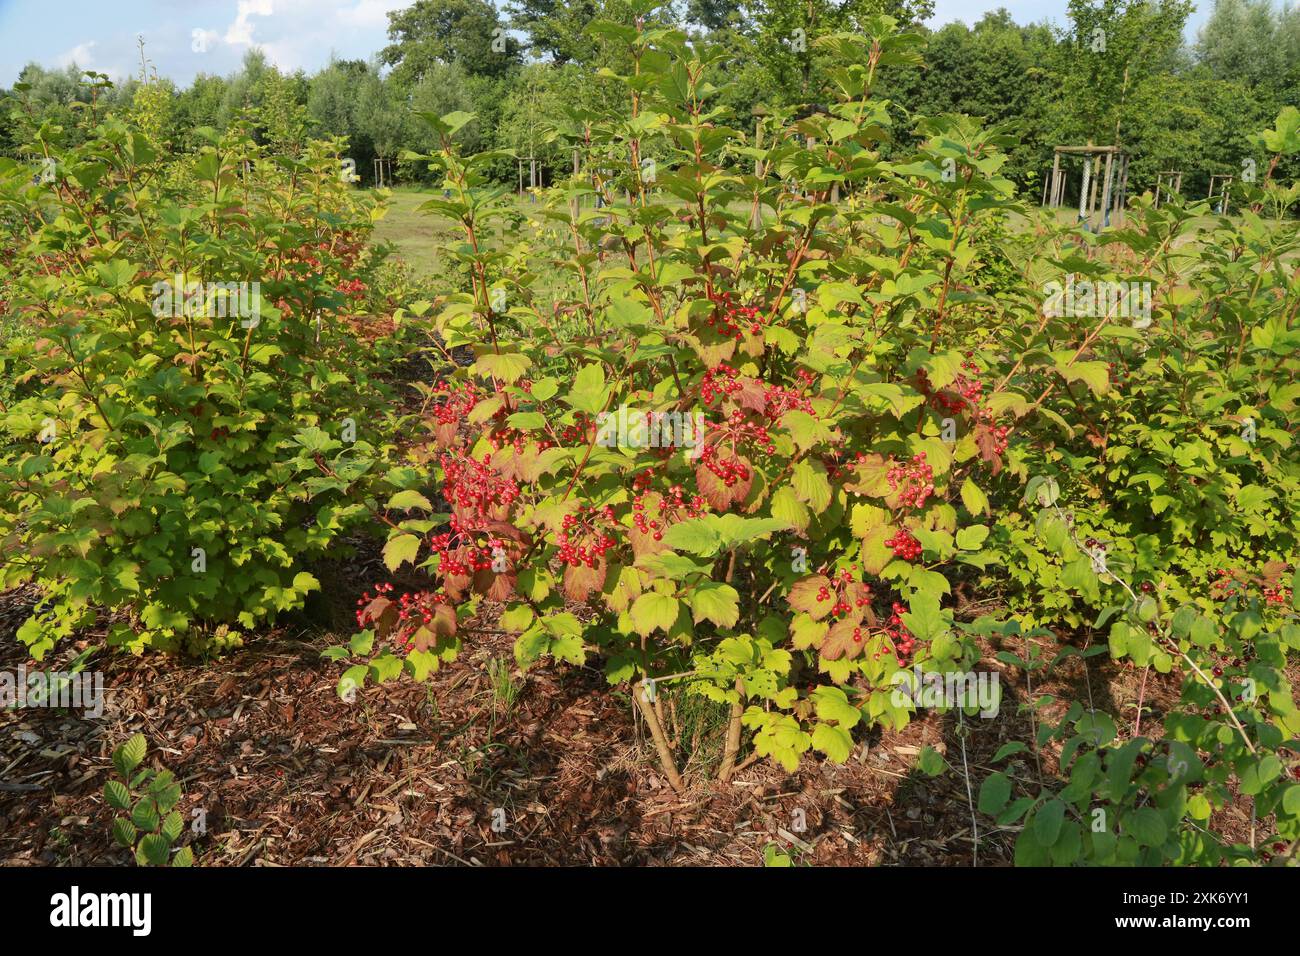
column 1118, row 72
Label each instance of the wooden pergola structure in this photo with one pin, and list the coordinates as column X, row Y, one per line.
column 1168, row 182
column 1113, row 180
column 1219, row 186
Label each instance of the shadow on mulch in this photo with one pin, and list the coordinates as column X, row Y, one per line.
column 280, row 771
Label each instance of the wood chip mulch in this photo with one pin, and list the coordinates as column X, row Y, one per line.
column 282, row 772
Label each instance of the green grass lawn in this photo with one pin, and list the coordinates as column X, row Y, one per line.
column 419, row 236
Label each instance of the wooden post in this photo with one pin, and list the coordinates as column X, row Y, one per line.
column 756, row 220
column 1056, row 179
column 1094, row 162
column 1105, row 192
column 1083, row 190
column 1122, row 203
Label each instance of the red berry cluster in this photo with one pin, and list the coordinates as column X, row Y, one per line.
column 905, row 546
column 352, row 288
column 458, row 550
column 916, row 481
column 1277, row 595
column 1224, row 585
column 1229, row 584
column 647, row 526
column 899, row 636
column 738, row 430
column 966, row 391
column 1118, row 377
column 582, row 540
column 580, row 432
column 414, row 610
column 779, row 400
column 999, row 433
column 306, row 255
column 453, row 402
column 719, row 382
column 733, row 431
column 842, row 606
column 732, row 320
column 836, row 469
column 942, row 401
column 673, row 506
column 474, row 487
column 728, row 470
column 503, row 435
column 382, row 589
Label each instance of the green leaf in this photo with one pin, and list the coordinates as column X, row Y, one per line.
column 788, row 509
column 1291, row 800
column 588, row 392
column 545, row 389
column 653, row 611
column 1007, row 749
column 527, row 421
column 144, row 815
column 116, row 273
column 832, row 704
column 924, row 618
column 1260, row 774
column 116, row 795
column 507, row 367
column 385, row 667
column 1046, row 823
column 931, row 762
column 835, row 742
column 531, row 645
column 405, row 500
column 994, row 793
column 124, row 832
column 172, row 826
column 811, row 484
column 715, row 602
column 1146, row 825
column 184, row 857
column 692, row 535
column 517, row 619
column 153, row 850
column 399, row 549
column 362, row 642
column 1096, row 375
column 353, row 679
column 128, row 756
column 806, row 430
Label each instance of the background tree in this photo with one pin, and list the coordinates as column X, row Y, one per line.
column 468, row 33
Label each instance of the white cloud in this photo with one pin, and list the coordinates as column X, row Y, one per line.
column 286, row 54
column 79, row 55
column 240, row 33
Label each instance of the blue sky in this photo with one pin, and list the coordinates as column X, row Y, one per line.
column 185, row 37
